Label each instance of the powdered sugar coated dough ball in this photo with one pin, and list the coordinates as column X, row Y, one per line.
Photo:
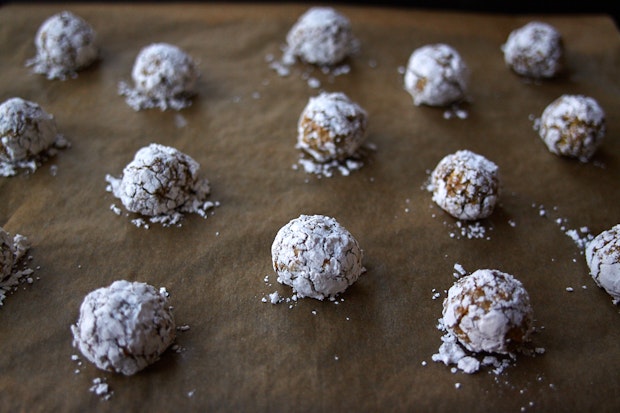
column 65, row 44
column 316, row 256
column 331, row 127
column 158, row 180
column 573, row 126
column 25, row 130
column 466, row 185
column 321, row 36
column 603, row 259
column 124, row 327
column 436, row 75
column 535, row 50
column 164, row 77
column 489, row 311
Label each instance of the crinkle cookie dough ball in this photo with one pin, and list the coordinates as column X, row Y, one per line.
column 321, row 36
column 331, row 127
column 124, row 327
column 535, row 50
column 65, row 44
column 25, row 130
column 573, row 126
column 316, row 256
column 466, row 185
column 603, row 258
column 436, row 75
column 164, row 77
column 158, row 180
column 490, row 311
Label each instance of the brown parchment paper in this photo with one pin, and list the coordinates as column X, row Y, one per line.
column 371, row 351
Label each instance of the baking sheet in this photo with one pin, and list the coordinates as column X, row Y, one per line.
column 370, row 351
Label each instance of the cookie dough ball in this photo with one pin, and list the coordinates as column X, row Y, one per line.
column 124, row 327
column 535, row 50
column 466, row 185
column 316, row 256
column 489, row 311
column 164, row 76
column 331, row 127
column 26, row 131
column 321, row 36
column 158, row 181
column 573, row 126
column 65, row 44
column 436, row 75
column 603, row 258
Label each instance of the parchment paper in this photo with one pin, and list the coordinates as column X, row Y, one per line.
column 370, row 351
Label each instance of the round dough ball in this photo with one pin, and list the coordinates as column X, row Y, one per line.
column 573, row 126
column 65, row 44
column 159, row 180
column 331, row 127
column 436, row 75
column 490, row 311
column 164, row 77
column 26, row 130
column 316, row 256
column 535, row 50
column 321, row 36
column 466, row 185
column 603, row 258
column 124, row 327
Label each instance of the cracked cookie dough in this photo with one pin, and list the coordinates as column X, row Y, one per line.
column 65, row 44
column 603, row 259
column 28, row 135
column 161, row 182
column 124, row 327
column 321, row 36
column 535, row 50
column 573, row 126
column 436, row 75
column 164, row 76
column 331, row 127
column 316, row 256
column 466, row 185
column 489, row 311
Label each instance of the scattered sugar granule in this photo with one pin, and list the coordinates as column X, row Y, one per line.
column 28, row 136
column 459, row 271
column 436, row 75
column 570, row 289
column 101, row 388
column 164, row 77
column 124, row 327
column 162, row 183
column 316, row 256
column 65, row 44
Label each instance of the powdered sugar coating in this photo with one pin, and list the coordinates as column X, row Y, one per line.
column 489, row 311
column 603, row 259
column 316, row 256
column 535, row 50
column 436, row 75
column 124, row 327
column 65, row 44
column 161, row 182
column 573, row 126
column 27, row 132
column 164, row 76
column 321, row 36
column 466, row 185
column 331, row 127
